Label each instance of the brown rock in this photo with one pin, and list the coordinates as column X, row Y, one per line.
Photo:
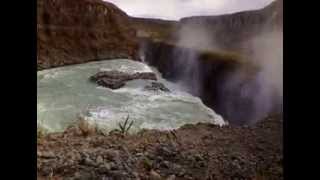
column 78, row 31
column 172, row 177
column 116, row 79
column 154, row 175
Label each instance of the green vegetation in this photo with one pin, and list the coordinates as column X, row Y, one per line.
column 124, row 128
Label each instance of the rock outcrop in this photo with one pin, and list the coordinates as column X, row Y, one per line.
column 156, row 86
column 117, row 79
column 78, row 31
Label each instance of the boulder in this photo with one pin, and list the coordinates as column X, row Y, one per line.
column 156, row 86
column 117, row 79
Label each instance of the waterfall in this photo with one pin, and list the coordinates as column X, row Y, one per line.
column 64, row 93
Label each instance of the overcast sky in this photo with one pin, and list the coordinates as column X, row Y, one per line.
column 176, row 9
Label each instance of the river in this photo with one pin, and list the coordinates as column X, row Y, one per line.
column 65, row 94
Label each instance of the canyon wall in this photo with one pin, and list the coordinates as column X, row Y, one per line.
column 232, row 31
column 232, row 62
column 78, row 31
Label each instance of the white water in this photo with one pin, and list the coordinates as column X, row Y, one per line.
column 65, row 93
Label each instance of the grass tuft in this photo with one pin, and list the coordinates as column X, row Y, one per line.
column 124, row 128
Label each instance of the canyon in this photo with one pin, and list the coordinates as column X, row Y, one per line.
column 230, row 63
column 220, row 47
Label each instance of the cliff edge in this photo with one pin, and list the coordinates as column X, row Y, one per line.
column 78, row 31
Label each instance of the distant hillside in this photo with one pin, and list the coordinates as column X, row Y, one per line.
column 230, row 31
column 157, row 29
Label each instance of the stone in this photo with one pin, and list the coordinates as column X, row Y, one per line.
column 46, row 154
column 89, row 162
column 198, row 157
column 105, row 168
column 99, row 160
column 154, row 175
column 116, row 79
column 156, row 86
column 171, row 177
column 165, row 164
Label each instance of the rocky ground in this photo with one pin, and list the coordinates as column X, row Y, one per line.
column 199, row 151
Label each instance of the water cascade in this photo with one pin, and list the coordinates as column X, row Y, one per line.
column 65, row 94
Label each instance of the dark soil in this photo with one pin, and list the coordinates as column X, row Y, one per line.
column 201, row 151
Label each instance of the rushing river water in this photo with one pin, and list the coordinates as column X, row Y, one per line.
column 65, row 93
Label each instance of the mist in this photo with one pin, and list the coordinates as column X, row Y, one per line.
column 192, row 39
column 243, row 97
column 248, row 99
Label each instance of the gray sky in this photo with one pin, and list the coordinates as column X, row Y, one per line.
column 176, row 9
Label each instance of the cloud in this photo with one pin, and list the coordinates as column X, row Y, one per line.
column 176, row 9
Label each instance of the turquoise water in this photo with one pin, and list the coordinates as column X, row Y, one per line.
column 65, row 93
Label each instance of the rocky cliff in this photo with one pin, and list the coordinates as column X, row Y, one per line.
column 206, row 51
column 232, row 31
column 77, row 31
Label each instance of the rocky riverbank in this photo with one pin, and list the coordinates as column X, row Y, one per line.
column 199, row 151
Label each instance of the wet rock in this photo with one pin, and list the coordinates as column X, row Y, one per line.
column 156, row 86
column 110, row 83
column 117, row 79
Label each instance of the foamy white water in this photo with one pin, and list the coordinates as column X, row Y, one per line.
column 65, row 93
